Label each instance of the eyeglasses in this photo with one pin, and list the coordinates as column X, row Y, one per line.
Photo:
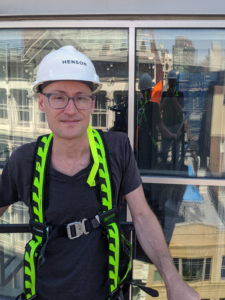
column 60, row 101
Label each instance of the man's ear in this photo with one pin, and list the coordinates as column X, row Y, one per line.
column 41, row 103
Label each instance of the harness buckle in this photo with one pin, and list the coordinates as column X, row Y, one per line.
column 40, row 229
column 108, row 217
column 76, row 229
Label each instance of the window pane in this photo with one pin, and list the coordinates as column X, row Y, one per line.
column 223, row 268
column 194, row 231
column 208, row 268
column 21, row 121
column 12, row 252
column 20, row 53
column 190, row 102
column 192, row 269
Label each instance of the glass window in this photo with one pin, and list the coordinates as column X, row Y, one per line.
column 223, row 268
column 21, row 121
column 181, row 130
column 102, row 114
column 12, row 252
column 3, row 104
column 192, row 218
column 192, row 269
column 21, row 99
column 21, row 50
column 188, row 141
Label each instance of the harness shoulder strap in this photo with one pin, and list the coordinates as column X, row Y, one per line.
column 97, row 146
column 41, row 161
column 119, row 263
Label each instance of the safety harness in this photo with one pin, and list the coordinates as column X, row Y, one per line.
column 119, row 248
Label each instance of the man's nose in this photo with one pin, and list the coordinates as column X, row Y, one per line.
column 71, row 107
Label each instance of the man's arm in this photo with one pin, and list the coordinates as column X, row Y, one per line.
column 151, row 238
column 3, row 209
column 165, row 132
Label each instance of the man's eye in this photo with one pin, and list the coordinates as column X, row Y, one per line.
column 59, row 98
column 81, row 98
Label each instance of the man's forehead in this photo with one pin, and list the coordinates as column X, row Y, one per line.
column 66, row 83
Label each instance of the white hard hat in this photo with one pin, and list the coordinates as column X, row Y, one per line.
column 145, row 82
column 172, row 75
column 66, row 63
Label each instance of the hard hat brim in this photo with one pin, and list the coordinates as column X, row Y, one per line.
column 96, row 86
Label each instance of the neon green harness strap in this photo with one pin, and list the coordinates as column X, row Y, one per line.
column 91, row 178
column 33, row 246
column 97, row 146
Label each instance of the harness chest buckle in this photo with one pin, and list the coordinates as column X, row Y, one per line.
column 76, row 229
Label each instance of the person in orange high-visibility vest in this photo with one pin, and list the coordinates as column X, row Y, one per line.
column 149, row 123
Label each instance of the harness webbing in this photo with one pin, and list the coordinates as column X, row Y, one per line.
column 97, row 146
column 37, row 199
column 99, row 172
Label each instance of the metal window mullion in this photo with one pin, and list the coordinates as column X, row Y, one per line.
column 183, row 180
column 131, row 83
column 131, row 90
column 204, row 268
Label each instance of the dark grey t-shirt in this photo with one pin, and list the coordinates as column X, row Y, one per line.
column 74, row 269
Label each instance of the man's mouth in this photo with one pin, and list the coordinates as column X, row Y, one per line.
column 70, row 121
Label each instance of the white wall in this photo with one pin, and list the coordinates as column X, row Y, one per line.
column 109, row 7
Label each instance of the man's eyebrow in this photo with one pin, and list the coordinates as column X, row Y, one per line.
column 57, row 91
column 64, row 92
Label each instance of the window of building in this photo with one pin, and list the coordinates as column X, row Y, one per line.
column 99, row 120
column 23, row 105
column 100, row 115
column 3, row 104
column 194, row 269
column 191, row 269
column 223, row 268
column 197, row 59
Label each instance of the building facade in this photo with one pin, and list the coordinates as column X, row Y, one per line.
column 185, row 188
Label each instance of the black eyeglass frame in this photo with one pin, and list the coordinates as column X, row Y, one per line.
column 48, row 95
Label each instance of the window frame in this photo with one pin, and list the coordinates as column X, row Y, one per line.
column 210, row 22
column 131, row 26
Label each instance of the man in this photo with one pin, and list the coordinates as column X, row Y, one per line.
column 149, row 123
column 171, row 106
column 77, row 268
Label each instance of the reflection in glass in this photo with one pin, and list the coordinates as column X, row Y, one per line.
column 192, row 218
column 20, row 53
column 21, row 121
column 198, row 59
column 12, row 252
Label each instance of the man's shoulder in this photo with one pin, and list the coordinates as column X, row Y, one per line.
column 23, row 152
column 115, row 140
column 115, row 136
